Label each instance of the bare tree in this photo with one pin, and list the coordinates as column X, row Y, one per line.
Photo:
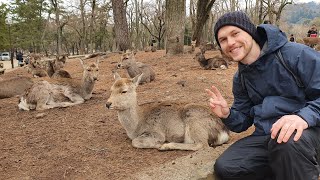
column 120, row 24
column 175, row 24
column 155, row 24
column 56, row 9
column 273, row 10
column 92, row 22
column 281, row 5
column 203, row 10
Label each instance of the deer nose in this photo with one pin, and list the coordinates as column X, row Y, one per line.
column 108, row 105
column 118, row 65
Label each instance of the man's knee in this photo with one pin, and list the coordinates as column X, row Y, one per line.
column 224, row 170
column 290, row 147
column 218, row 168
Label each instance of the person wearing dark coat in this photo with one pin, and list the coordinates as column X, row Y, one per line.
column 312, row 32
column 19, row 57
column 277, row 90
column 291, row 39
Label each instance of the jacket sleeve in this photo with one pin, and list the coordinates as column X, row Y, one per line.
column 308, row 67
column 239, row 119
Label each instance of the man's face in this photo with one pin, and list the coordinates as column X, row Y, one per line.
column 235, row 43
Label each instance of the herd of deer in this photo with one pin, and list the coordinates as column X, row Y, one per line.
column 162, row 125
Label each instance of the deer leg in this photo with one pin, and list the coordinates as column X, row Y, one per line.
column 44, row 100
column 75, row 98
column 181, row 146
column 60, row 104
column 196, row 137
column 148, row 140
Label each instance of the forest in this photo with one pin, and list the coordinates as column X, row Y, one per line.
column 88, row 26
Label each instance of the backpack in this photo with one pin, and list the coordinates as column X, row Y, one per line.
column 279, row 57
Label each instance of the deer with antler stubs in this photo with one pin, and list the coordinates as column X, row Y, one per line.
column 164, row 125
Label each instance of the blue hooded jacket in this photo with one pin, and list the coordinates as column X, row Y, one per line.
column 270, row 90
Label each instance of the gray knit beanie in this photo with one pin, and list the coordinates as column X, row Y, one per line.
column 239, row 19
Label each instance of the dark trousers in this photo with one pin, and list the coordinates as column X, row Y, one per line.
column 262, row 158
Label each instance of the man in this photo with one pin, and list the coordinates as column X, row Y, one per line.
column 285, row 113
column 291, row 39
column 313, row 32
column 267, row 22
column 19, row 57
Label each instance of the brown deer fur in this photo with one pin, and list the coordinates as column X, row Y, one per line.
column 14, row 86
column 164, row 125
column 61, row 92
column 211, row 63
column 135, row 68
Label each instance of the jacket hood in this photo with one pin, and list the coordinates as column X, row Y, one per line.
column 272, row 37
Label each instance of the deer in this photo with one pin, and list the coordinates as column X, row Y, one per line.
column 61, row 92
column 135, row 68
column 36, row 71
column 167, row 125
column 211, row 63
column 311, row 41
column 54, row 68
column 206, row 46
column 190, row 49
column 14, row 86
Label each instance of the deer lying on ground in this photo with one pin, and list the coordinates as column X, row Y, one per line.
column 61, row 92
column 51, row 68
column 14, row 86
column 206, row 47
column 164, row 125
column 190, row 49
column 135, row 68
column 311, row 41
column 36, row 71
column 152, row 48
column 54, row 68
column 211, row 63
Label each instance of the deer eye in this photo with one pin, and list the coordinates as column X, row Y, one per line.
column 123, row 92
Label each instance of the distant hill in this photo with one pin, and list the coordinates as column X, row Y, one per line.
column 301, row 13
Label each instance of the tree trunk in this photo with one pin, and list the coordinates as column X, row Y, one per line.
column 175, row 24
column 121, row 25
column 203, row 10
column 83, row 37
column 91, row 29
column 55, row 5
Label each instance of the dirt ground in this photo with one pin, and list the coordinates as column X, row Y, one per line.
column 87, row 141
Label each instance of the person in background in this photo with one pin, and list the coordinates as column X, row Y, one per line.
column 19, row 57
column 312, row 32
column 266, row 22
column 284, row 108
column 291, row 39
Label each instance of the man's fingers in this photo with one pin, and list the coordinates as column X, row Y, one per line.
column 276, row 127
column 210, row 93
column 298, row 134
column 289, row 133
column 283, row 132
column 216, row 91
column 219, row 103
column 212, row 105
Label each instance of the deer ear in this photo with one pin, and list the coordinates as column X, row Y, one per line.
column 116, row 76
column 136, row 80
